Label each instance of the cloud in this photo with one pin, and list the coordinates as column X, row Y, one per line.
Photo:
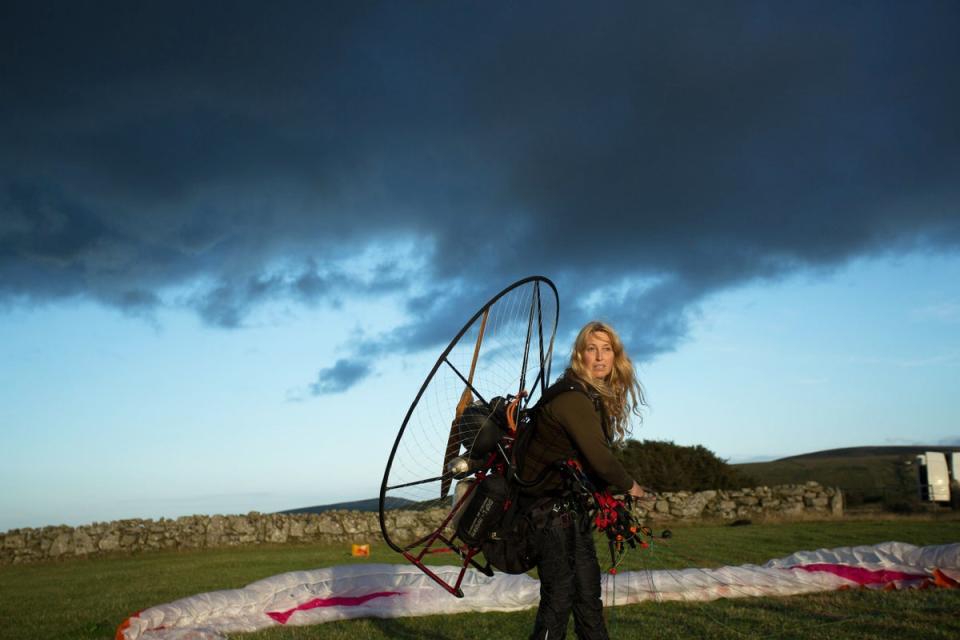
column 340, row 377
column 657, row 153
column 943, row 312
column 947, row 358
column 943, row 442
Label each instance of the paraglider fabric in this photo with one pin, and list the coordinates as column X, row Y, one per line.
column 392, row 591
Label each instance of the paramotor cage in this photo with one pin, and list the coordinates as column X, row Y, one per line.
column 453, row 434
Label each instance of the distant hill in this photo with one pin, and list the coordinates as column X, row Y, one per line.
column 854, row 452
column 866, row 474
column 371, row 504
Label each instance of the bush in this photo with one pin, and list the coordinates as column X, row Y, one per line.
column 903, row 497
column 665, row 466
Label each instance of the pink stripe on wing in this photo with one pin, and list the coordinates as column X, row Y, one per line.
column 353, row 601
column 860, row 575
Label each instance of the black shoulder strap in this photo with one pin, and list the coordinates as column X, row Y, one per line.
column 561, row 386
column 565, row 384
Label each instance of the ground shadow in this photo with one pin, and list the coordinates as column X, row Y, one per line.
column 401, row 629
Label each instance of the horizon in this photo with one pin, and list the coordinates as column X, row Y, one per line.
column 330, row 505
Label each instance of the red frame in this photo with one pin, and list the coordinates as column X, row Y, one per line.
column 464, row 551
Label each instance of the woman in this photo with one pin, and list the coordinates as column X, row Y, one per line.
column 586, row 412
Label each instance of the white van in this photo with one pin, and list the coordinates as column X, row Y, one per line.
column 934, row 476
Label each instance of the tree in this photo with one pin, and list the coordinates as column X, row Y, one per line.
column 665, row 466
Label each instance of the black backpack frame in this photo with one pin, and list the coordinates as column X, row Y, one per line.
column 492, row 519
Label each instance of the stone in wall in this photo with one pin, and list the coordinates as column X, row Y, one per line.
column 836, row 504
column 693, row 505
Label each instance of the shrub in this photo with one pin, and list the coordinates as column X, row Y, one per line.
column 665, row 466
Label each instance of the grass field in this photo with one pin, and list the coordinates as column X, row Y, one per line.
column 85, row 599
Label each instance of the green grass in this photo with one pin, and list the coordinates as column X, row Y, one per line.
column 87, row 599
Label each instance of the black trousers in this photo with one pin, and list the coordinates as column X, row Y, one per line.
column 569, row 581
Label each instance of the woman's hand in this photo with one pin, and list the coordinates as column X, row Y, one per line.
column 645, row 497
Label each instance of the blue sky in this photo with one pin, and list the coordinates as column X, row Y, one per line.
column 111, row 417
column 865, row 355
column 231, row 247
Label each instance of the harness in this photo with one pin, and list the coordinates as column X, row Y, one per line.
column 581, row 503
column 500, row 519
column 560, row 463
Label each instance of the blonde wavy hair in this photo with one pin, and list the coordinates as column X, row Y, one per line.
column 620, row 391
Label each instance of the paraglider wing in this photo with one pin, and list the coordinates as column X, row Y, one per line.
column 391, row 591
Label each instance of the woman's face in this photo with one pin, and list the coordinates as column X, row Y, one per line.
column 598, row 355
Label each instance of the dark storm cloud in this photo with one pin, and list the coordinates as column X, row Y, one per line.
column 247, row 153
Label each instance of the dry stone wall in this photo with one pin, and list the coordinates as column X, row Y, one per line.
column 18, row 546
column 788, row 501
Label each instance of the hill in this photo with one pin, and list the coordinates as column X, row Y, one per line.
column 371, row 504
column 867, row 475
column 857, row 452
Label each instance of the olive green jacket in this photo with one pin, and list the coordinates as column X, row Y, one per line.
column 572, row 426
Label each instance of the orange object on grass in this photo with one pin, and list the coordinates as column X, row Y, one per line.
column 124, row 626
column 361, row 550
column 943, row 580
